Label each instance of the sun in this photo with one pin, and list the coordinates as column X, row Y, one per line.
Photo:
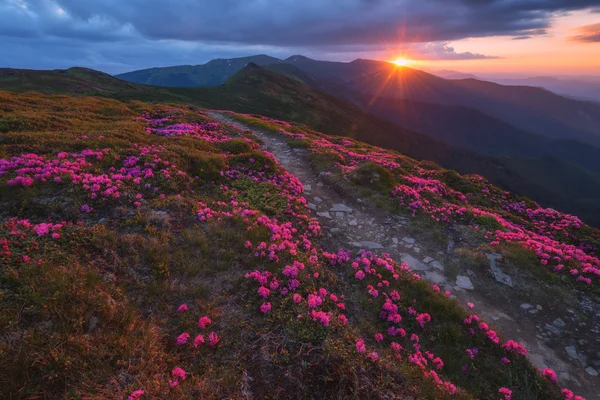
column 402, row 62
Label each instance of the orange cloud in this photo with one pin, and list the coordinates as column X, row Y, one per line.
column 587, row 33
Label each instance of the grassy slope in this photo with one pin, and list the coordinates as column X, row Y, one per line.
column 256, row 90
column 91, row 311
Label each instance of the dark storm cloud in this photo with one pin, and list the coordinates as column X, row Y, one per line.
column 112, row 30
column 587, row 33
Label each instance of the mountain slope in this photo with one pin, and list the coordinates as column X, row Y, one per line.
column 213, row 73
column 530, row 109
column 260, row 91
column 459, row 126
column 151, row 251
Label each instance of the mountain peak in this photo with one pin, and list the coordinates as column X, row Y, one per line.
column 298, row 57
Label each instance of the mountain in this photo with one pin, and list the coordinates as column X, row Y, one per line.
column 213, row 73
column 161, row 251
column 459, row 126
column 584, row 88
column 530, row 109
column 258, row 90
column 449, row 74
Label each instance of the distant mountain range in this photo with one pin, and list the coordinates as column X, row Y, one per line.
column 471, row 142
column 526, row 108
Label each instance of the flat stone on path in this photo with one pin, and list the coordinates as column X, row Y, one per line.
column 341, row 208
column 591, row 371
column 571, row 351
column 367, row 245
column 353, row 222
column 408, row 240
column 437, row 265
column 526, row 306
column 499, row 275
column 324, row 214
column 464, row 282
column 312, row 206
column 413, row 263
column 317, row 199
column 307, row 188
column 427, row 260
column 434, row 277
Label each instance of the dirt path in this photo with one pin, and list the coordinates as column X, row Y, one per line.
column 351, row 223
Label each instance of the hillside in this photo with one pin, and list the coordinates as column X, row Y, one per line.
column 529, row 109
column 260, row 91
column 459, row 126
column 153, row 251
column 213, row 73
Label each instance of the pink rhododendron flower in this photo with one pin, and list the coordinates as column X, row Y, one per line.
column 183, row 338
column 265, row 307
column 550, row 374
column 506, row 392
column 203, row 322
column 360, row 346
column 198, row 340
column 213, row 339
column 182, row 308
column 135, row 395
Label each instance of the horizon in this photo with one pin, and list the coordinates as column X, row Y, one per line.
column 561, row 37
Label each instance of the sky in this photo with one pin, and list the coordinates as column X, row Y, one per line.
column 560, row 37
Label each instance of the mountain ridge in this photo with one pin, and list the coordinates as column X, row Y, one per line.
column 261, row 91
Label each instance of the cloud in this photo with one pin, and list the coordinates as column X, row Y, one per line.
column 127, row 32
column 587, row 34
column 443, row 51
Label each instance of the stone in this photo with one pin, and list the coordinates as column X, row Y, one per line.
column 102, row 221
column 464, row 282
column 437, row 265
column 539, row 307
column 324, row 214
column 317, row 199
column 93, row 323
column 450, row 247
column 409, row 246
column 572, row 352
column 408, row 240
column 427, row 260
column 591, row 371
column 499, row 275
column 339, row 215
column 353, row 222
column 434, row 277
column 334, row 230
column 367, row 245
column 526, row 306
column 552, row 329
column 559, row 323
column 417, row 249
column 413, row 263
column 320, row 184
column 312, row 206
column 395, row 240
column 341, row 208
column 307, row 188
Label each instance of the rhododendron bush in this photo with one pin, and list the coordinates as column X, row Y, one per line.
column 143, row 261
column 561, row 242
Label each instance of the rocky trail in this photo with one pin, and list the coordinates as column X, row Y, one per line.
column 552, row 330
